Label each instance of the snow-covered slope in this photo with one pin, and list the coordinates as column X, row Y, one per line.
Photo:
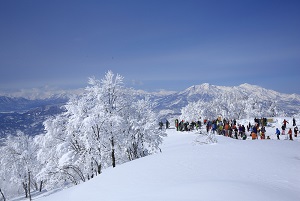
column 188, row 169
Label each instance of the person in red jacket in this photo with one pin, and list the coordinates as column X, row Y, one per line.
column 290, row 134
column 284, row 122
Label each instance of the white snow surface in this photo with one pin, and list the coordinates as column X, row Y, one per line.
column 188, row 170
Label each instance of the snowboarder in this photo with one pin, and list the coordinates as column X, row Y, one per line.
column 277, row 133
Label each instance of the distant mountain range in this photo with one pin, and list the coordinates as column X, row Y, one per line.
column 20, row 105
column 172, row 103
column 28, row 115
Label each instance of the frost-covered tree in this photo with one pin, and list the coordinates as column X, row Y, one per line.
column 5, row 186
column 193, row 111
column 143, row 136
column 102, row 128
column 54, row 147
column 20, row 164
column 112, row 101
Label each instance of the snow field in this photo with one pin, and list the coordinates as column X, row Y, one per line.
column 188, row 170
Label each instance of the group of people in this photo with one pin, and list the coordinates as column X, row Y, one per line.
column 187, row 126
column 290, row 132
column 161, row 124
column 224, row 127
column 261, row 122
column 230, row 128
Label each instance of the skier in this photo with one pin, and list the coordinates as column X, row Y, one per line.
column 294, row 122
column 277, row 133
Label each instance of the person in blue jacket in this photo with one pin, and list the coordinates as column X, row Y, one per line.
column 277, row 133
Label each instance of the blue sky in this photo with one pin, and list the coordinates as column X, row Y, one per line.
column 155, row 44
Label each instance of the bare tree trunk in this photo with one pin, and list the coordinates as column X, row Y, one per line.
column 4, row 199
column 99, row 169
column 113, row 158
column 41, row 186
column 29, row 183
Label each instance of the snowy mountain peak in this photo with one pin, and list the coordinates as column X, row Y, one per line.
column 249, row 86
column 252, row 88
column 205, row 85
column 199, row 89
